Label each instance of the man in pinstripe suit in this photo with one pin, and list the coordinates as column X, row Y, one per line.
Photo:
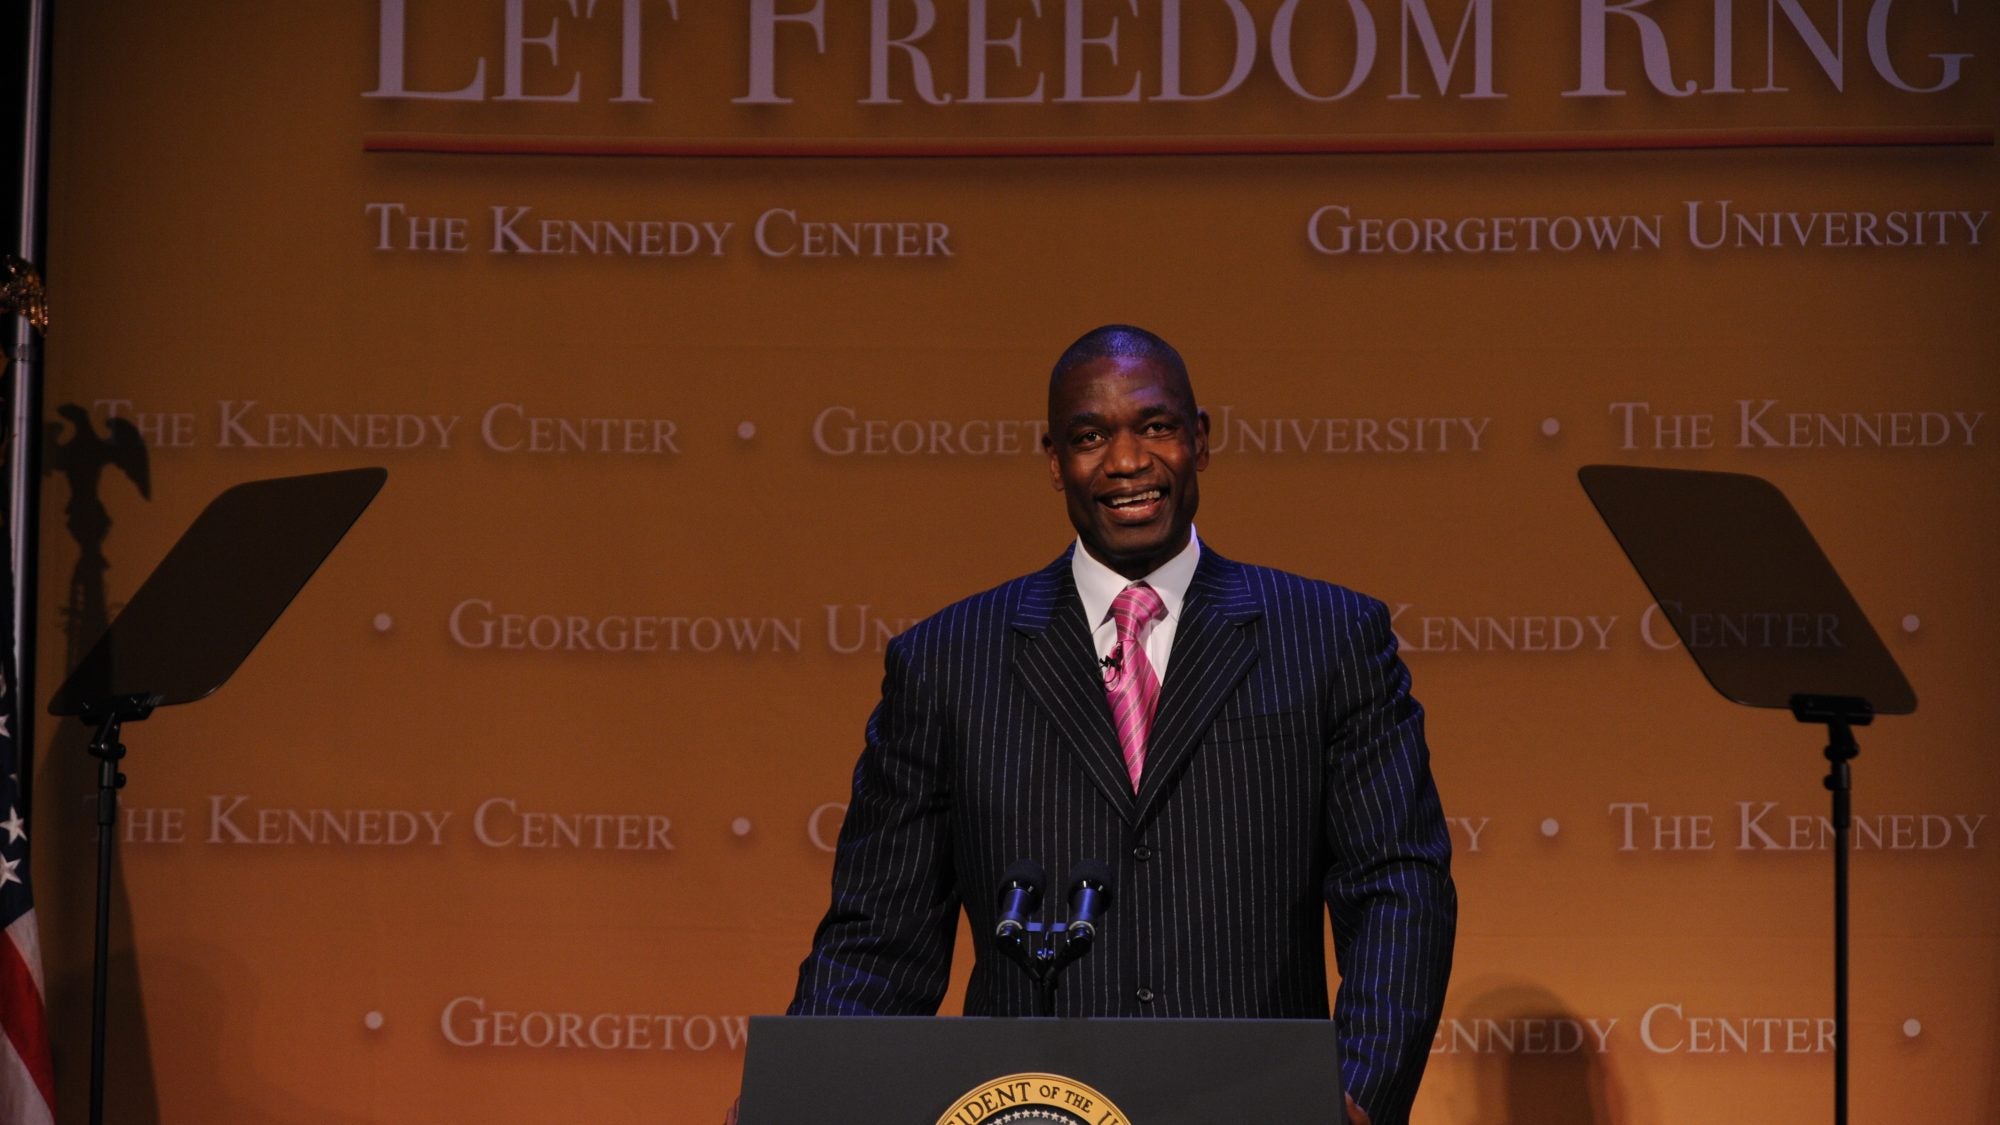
column 1283, row 770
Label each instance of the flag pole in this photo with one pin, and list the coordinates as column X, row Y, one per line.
column 27, row 1079
column 24, row 400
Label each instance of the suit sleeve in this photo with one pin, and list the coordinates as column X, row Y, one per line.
column 1389, row 888
column 884, row 947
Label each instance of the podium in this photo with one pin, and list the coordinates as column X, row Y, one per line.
column 912, row 1070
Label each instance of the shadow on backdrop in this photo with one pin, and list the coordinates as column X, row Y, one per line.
column 66, row 802
column 1534, row 1061
column 221, row 1033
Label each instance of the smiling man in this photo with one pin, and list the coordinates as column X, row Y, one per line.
column 1237, row 743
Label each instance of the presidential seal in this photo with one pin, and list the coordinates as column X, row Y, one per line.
column 1033, row 1099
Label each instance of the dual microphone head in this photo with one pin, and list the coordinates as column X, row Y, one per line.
column 1021, row 887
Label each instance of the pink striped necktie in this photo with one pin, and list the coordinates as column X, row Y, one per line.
column 1133, row 687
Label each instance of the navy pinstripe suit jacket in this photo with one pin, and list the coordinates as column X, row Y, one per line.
column 1286, row 773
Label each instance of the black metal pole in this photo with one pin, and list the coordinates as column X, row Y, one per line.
column 1840, row 714
column 108, row 750
column 1840, row 750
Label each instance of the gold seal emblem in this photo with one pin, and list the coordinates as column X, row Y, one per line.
column 1033, row 1099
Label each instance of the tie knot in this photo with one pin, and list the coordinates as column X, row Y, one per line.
column 1135, row 607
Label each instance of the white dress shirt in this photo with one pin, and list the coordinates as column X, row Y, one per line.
column 1098, row 585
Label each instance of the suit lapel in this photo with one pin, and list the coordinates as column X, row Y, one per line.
column 1213, row 648
column 1055, row 662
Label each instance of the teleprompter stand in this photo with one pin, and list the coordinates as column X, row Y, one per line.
column 187, row 629
column 1761, row 610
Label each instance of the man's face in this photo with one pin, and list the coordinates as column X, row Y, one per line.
column 1125, row 443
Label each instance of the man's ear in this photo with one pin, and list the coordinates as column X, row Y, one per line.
column 1055, row 462
column 1200, row 440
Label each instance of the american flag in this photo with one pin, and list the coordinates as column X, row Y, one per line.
column 27, row 1076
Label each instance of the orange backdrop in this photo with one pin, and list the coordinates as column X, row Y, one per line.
column 705, row 353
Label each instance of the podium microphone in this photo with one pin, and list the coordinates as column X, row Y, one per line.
column 1020, row 896
column 1089, row 897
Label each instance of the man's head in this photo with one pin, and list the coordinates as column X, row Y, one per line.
column 1125, row 443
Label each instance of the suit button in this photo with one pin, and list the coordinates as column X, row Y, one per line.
column 1145, row 995
column 1142, row 853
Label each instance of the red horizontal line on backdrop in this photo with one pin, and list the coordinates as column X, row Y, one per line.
column 488, row 144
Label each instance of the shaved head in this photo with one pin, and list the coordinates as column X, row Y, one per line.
column 1120, row 341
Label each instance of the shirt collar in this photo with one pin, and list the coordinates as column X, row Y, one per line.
column 1097, row 584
